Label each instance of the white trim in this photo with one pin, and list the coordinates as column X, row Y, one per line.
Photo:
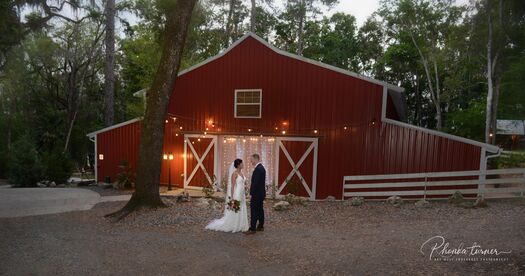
column 113, row 127
column 235, row 103
column 200, row 159
column 290, row 55
column 384, row 119
column 295, row 166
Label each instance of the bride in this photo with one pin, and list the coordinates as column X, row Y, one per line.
column 232, row 221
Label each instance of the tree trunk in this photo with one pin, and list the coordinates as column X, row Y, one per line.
column 439, row 117
column 490, row 87
column 109, row 68
column 152, row 127
column 228, row 31
column 300, row 29
column 433, row 94
column 252, row 17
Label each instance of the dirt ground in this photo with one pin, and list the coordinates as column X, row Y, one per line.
column 329, row 238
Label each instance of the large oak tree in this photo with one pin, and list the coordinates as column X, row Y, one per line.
column 158, row 96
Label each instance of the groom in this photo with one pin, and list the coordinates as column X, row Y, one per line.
column 257, row 193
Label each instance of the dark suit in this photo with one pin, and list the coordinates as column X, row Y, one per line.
column 258, row 194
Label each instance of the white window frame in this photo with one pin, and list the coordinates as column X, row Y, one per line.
column 235, row 104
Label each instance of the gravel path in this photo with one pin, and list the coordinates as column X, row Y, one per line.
column 321, row 238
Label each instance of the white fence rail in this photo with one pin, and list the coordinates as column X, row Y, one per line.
column 491, row 183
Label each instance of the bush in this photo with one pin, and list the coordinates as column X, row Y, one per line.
column 125, row 177
column 58, row 167
column 25, row 166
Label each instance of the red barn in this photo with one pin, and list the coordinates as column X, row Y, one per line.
column 311, row 123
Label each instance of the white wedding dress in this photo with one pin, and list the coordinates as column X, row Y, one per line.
column 231, row 221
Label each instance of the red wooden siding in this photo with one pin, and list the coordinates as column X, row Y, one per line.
column 307, row 97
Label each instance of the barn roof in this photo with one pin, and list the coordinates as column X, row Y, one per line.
column 290, row 55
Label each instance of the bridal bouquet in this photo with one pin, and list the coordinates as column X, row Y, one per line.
column 234, row 205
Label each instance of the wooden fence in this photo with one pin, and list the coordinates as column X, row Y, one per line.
column 500, row 183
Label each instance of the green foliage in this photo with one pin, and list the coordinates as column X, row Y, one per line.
column 57, row 166
column 508, row 160
column 468, row 122
column 25, row 165
column 512, row 100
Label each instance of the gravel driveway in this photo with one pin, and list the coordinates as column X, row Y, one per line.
column 321, row 238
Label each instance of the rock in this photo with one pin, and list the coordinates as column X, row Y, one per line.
column 422, row 204
column 394, row 200
column 480, row 202
column 357, row 201
column 467, row 204
column 52, row 184
column 281, row 206
column 202, row 203
column 295, row 200
column 184, row 197
column 456, row 198
column 330, row 198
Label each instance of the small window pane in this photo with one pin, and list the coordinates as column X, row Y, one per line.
column 248, row 110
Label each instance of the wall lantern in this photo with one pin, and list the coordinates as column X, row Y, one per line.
column 101, row 157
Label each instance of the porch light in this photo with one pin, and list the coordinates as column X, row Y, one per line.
column 165, row 157
column 170, row 156
column 490, row 134
column 101, row 157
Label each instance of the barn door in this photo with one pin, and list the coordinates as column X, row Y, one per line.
column 200, row 160
column 296, row 162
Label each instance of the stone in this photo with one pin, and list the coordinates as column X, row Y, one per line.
column 281, row 206
column 422, row 204
column 394, row 200
column 202, row 202
column 184, row 197
column 357, row 201
column 456, row 198
column 480, row 202
column 52, row 184
column 295, row 200
column 330, row 198
column 467, row 204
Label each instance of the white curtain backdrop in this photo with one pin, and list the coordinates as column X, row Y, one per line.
column 243, row 147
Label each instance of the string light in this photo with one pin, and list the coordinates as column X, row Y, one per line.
column 180, row 128
column 249, row 130
column 315, row 131
column 345, row 128
column 283, row 132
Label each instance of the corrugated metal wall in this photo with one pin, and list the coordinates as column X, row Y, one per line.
column 306, row 97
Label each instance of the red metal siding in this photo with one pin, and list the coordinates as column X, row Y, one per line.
column 116, row 145
column 308, row 97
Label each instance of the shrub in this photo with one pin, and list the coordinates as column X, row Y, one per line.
column 25, row 167
column 125, row 177
column 58, row 167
